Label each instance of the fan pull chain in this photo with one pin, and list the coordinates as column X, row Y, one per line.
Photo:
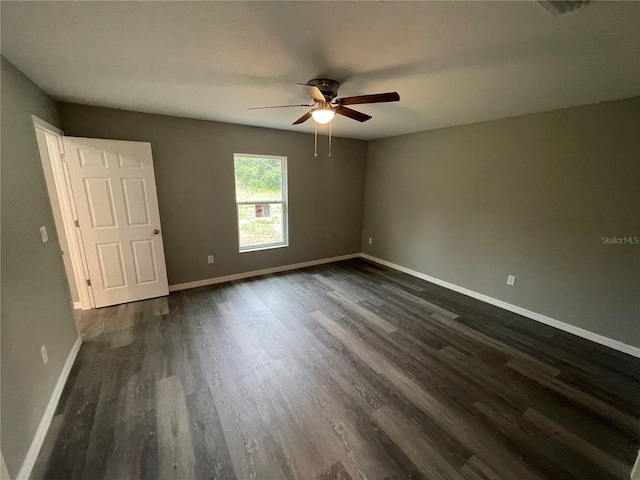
column 330, row 138
column 315, row 141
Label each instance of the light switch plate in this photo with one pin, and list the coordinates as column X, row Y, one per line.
column 511, row 280
column 43, row 234
column 44, row 354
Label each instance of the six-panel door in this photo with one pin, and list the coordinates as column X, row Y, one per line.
column 114, row 190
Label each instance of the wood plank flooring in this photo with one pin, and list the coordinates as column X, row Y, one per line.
column 338, row 372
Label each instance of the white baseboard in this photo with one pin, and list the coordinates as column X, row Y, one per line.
column 256, row 273
column 41, row 433
column 594, row 337
column 77, row 305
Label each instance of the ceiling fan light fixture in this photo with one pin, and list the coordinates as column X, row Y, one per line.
column 323, row 115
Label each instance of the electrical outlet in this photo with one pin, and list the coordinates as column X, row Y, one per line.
column 370, row 240
column 210, row 259
column 511, row 280
column 44, row 354
column 43, row 234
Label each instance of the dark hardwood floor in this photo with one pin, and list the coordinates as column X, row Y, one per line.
column 342, row 371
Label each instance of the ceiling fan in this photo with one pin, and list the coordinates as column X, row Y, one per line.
column 323, row 92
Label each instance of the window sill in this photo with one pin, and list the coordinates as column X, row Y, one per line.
column 258, row 248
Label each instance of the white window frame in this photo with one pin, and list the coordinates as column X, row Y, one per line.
column 283, row 202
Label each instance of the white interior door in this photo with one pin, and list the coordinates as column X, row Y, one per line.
column 114, row 190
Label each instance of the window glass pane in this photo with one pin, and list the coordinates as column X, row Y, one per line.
column 260, row 224
column 258, row 178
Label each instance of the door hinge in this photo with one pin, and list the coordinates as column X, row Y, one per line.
column 77, row 222
column 88, row 282
column 63, row 157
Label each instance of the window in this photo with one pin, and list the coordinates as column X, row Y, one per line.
column 261, row 199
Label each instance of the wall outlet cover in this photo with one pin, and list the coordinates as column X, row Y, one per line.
column 43, row 234
column 511, row 280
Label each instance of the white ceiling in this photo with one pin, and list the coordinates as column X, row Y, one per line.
column 452, row 62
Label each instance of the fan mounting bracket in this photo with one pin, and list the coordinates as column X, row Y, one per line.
column 328, row 87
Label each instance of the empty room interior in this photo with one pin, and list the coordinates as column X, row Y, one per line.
column 320, row 240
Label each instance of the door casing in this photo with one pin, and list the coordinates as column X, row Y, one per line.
column 54, row 162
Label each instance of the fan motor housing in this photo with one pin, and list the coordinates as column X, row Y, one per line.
column 328, row 87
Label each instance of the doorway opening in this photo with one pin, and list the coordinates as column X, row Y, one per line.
column 105, row 207
column 56, row 176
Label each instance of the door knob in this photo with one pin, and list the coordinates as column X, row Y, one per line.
column 156, row 231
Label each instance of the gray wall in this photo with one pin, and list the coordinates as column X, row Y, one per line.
column 35, row 306
column 530, row 196
column 4, row 473
column 193, row 161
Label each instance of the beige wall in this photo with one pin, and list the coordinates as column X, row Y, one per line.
column 35, row 305
column 193, row 161
column 530, row 196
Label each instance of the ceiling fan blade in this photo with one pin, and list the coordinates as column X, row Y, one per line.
column 302, row 119
column 375, row 98
column 347, row 112
column 279, row 106
column 313, row 92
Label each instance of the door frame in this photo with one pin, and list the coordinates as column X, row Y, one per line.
column 57, row 162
